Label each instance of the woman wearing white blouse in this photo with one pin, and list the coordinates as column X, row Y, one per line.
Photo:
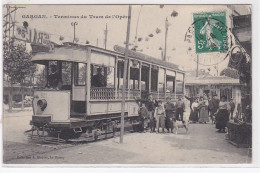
column 222, row 115
column 194, row 111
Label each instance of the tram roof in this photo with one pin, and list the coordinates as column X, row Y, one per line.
column 146, row 58
column 65, row 53
column 60, row 53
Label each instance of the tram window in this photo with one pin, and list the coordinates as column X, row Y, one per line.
column 161, row 80
column 80, row 74
column 179, row 83
column 59, row 75
column 154, row 79
column 66, row 73
column 54, row 74
column 41, row 75
column 170, row 87
column 145, row 77
column 110, row 77
column 102, row 76
column 134, row 75
column 170, row 81
column 120, row 74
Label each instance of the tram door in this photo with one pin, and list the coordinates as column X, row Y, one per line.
column 79, row 88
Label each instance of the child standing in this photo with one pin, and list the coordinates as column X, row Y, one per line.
column 143, row 114
column 159, row 115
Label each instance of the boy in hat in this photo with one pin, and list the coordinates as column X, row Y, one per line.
column 159, row 115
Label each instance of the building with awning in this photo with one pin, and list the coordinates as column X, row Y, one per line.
column 210, row 85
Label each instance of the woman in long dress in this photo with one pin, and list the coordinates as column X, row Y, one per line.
column 159, row 115
column 194, row 115
column 204, row 114
column 222, row 115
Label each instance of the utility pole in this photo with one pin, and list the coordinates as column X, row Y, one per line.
column 166, row 34
column 8, row 36
column 105, row 41
column 74, row 26
column 124, row 77
column 97, row 42
column 197, row 71
column 9, row 23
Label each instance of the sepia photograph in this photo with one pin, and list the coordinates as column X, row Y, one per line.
column 127, row 84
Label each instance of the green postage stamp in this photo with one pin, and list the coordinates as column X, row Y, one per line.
column 210, row 32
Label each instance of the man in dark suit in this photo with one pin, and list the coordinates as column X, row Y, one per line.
column 99, row 80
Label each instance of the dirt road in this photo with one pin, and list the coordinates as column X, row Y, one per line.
column 201, row 145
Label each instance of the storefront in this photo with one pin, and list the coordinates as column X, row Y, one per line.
column 220, row 85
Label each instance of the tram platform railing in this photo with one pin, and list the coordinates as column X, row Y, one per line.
column 112, row 94
column 101, row 93
column 155, row 95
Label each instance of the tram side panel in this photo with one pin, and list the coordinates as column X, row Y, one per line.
column 113, row 107
column 51, row 106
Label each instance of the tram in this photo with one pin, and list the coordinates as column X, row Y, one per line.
column 83, row 89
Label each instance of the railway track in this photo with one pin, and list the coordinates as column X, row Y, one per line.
column 42, row 138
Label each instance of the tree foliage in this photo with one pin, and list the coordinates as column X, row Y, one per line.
column 233, row 73
column 17, row 64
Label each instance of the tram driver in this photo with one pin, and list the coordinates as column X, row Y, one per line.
column 53, row 78
column 99, row 80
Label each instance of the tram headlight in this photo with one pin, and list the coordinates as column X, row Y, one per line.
column 42, row 104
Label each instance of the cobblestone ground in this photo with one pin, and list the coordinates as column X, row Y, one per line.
column 201, row 145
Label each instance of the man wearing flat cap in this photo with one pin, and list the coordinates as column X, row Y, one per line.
column 53, row 78
column 99, row 80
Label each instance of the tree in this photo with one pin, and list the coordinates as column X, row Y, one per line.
column 233, row 73
column 17, row 66
column 40, row 77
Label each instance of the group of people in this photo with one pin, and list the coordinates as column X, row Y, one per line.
column 159, row 115
column 203, row 108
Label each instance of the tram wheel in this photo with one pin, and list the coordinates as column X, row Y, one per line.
column 66, row 134
column 69, row 134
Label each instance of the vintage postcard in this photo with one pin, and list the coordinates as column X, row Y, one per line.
column 132, row 84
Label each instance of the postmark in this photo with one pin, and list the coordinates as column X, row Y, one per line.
column 209, row 35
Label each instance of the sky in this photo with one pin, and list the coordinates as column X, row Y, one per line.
column 151, row 17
